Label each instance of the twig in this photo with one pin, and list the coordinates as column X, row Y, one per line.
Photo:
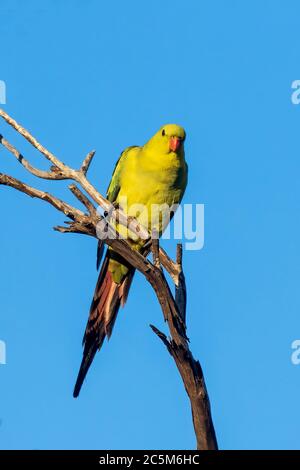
column 87, row 161
column 155, row 249
column 60, row 205
column 193, row 379
column 180, row 285
column 78, row 176
column 33, row 141
column 83, row 199
column 48, row 175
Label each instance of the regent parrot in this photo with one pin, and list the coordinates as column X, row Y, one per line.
column 153, row 174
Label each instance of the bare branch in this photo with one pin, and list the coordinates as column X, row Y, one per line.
column 76, row 227
column 193, row 379
column 80, row 177
column 180, row 286
column 179, row 256
column 171, row 267
column 174, row 310
column 83, row 199
column 60, row 205
column 189, row 369
column 21, row 130
column 161, row 336
column 87, row 161
column 155, row 249
column 181, row 296
column 48, row 175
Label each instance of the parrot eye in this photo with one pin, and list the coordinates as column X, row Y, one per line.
column 163, row 132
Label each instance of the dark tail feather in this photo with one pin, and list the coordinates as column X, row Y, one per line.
column 103, row 313
column 100, row 251
column 88, row 357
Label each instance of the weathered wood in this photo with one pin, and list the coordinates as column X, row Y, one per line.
column 174, row 310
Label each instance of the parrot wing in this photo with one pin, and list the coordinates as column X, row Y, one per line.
column 112, row 193
column 114, row 185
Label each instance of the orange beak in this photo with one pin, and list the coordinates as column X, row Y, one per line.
column 174, row 143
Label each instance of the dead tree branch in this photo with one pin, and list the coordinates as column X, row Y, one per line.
column 189, row 369
column 88, row 223
column 61, row 171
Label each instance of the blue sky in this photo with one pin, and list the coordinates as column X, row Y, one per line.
column 105, row 75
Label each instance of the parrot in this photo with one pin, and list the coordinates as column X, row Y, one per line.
column 152, row 175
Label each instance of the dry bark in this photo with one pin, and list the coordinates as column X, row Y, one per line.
column 87, row 223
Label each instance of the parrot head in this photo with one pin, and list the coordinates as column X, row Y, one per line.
column 169, row 138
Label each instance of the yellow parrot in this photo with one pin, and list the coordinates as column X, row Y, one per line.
column 152, row 176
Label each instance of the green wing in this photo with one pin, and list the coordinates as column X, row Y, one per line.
column 113, row 191
column 114, row 185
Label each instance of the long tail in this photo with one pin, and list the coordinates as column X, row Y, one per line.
column 107, row 299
